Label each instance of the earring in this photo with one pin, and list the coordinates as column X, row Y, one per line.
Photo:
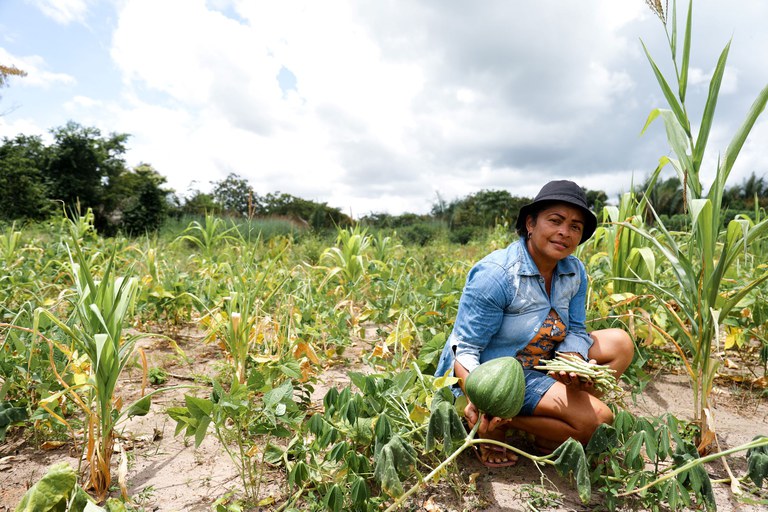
column 529, row 235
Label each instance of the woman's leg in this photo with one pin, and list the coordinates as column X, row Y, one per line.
column 613, row 347
column 566, row 411
column 562, row 413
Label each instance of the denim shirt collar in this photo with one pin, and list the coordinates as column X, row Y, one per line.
column 528, row 266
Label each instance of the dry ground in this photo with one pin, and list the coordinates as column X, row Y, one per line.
column 168, row 474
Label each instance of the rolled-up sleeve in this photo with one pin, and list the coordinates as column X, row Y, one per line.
column 481, row 311
column 577, row 340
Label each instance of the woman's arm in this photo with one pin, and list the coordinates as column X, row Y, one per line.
column 481, row 311
column 577, row 340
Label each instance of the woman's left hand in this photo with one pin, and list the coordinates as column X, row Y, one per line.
column 574, row 381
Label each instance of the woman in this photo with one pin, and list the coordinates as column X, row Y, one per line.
column 529, row 301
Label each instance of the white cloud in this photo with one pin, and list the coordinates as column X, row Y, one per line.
column 63, row 11
column 11, row 129
column 393, row 101
column 37, row 75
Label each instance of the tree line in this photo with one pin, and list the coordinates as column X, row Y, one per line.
column 84, row 169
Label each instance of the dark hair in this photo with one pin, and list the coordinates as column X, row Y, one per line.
column 533, row 211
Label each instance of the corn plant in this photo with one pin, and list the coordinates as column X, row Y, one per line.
column 95, row 329
column 9, row 245
column 208, row 236
column 627, row 253
column 698, row 301
column 348, row 261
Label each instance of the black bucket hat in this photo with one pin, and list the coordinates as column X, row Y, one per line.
column 560, row 191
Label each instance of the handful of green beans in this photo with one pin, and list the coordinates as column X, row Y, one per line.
column 601, row 375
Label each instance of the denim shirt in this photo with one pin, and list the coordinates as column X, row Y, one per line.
column 504, row 304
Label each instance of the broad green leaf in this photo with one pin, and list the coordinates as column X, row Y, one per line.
column 10, row 415
column 757, row 461
column 202, row 430
column 359, row 492
column 602, row 440
column 198, row 407
column 624, row 423
column 445, row 425
column 52, row 492
column 632, row 456
column 330, row 399
column 334, row 499
column 338, row 451
column 393, row 460
column 571, row 459
column 298, row 474
column 139, row 408
column 383, row 428
column 277, row 395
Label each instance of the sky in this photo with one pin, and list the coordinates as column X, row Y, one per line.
column 379, row 106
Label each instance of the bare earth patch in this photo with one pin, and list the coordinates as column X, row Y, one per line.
column 168, row 474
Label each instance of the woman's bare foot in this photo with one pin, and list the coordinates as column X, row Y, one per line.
column 493, row 455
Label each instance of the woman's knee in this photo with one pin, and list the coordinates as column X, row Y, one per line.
column 613, row 346
column 588, row 425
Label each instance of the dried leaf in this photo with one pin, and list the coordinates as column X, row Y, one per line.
column 52, row 445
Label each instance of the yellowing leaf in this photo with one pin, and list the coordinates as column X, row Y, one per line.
column 380, row 351
column 305, row 349
column 445, row 380
column 732, row 337
column 269, row 500
column 419, row 414
column 52, row 445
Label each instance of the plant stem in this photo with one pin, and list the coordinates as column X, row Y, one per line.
column 468, row 441
column 763, row 441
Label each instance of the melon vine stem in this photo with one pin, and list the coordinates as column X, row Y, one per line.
column 468, row 441
column 761, row 441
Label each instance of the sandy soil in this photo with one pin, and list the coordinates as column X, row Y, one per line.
column 168, row 474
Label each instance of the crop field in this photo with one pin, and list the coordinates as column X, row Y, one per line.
column 216, row 369
column 235, row 363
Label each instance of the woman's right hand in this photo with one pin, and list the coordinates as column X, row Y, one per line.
column 487, row 424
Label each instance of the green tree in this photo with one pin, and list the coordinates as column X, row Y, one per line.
column 82, row 166
column 199, row 204
column 317, row 215
column 23, row 193
column 665, row 196
column 743, row 196
column 596, row 199
column 486, row 208
column 143, row 202
column 235, row 196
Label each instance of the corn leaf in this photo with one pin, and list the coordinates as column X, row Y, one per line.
column 741, row 135
column 683, row 82
column 673, row 102
column 709, row 107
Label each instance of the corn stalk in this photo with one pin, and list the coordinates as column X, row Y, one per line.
column 95, row 329
column 700, row 263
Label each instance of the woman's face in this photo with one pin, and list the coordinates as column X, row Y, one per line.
column 555, row 232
